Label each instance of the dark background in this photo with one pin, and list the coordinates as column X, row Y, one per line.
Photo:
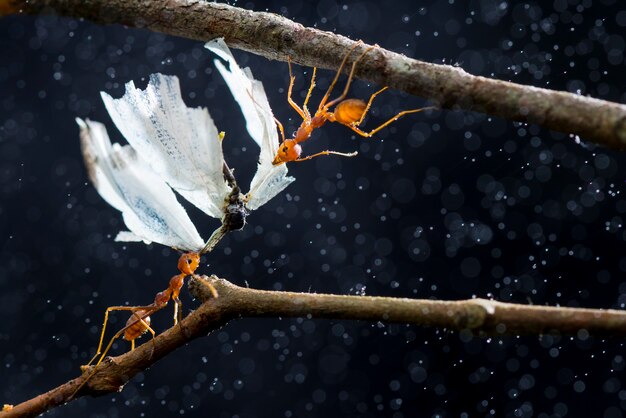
column 447, row 206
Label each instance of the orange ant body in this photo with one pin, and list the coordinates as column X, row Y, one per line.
column 139, row 321
column 348, row 112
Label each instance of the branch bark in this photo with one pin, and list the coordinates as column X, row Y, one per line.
column 276, row 37
column 477, row 316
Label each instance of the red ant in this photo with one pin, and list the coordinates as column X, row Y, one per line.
column 349, row 112
column 139, row 321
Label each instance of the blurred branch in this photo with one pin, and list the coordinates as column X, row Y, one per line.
column 478, row 316
column 276, row 37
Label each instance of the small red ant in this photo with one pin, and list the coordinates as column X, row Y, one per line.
column 139, row 321
column 348, row 112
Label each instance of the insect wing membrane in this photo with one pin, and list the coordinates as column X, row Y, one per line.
column 152, row 202
column 269, row 180
column 127, row 236
column 95, row 145
column 181, row 144
column 149, row 207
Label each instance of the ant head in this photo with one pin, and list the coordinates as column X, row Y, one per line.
column 188, row 263
column 289, row 150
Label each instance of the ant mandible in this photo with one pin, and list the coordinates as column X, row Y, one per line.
column 348, row 112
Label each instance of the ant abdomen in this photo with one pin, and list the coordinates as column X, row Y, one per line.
column 135, row 327
column 349, row 111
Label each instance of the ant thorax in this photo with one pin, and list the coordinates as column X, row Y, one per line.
column 318, row 120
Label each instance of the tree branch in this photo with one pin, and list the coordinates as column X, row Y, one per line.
column 478, row 316
column 276, row 37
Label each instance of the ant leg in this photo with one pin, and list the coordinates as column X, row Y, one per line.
column 104, row 325
column 342, row 154
column 350, row 78
column 116, row 336
column 308, row 94
column 293, row 104
column 95, row 367
column 369, row 104
column 281, row 129
column 178, row 310
column 212, row 288
column 109, row 345
column 151, row 331
column 120, row 332
column 332, row 85
column 393, row 119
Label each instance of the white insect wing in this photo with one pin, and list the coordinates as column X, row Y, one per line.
column 96, row 146
column 181, row 144
column 149, row 207
column 269, row 180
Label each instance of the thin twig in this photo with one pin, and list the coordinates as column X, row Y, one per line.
column 478, row 316
column 276, row 37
